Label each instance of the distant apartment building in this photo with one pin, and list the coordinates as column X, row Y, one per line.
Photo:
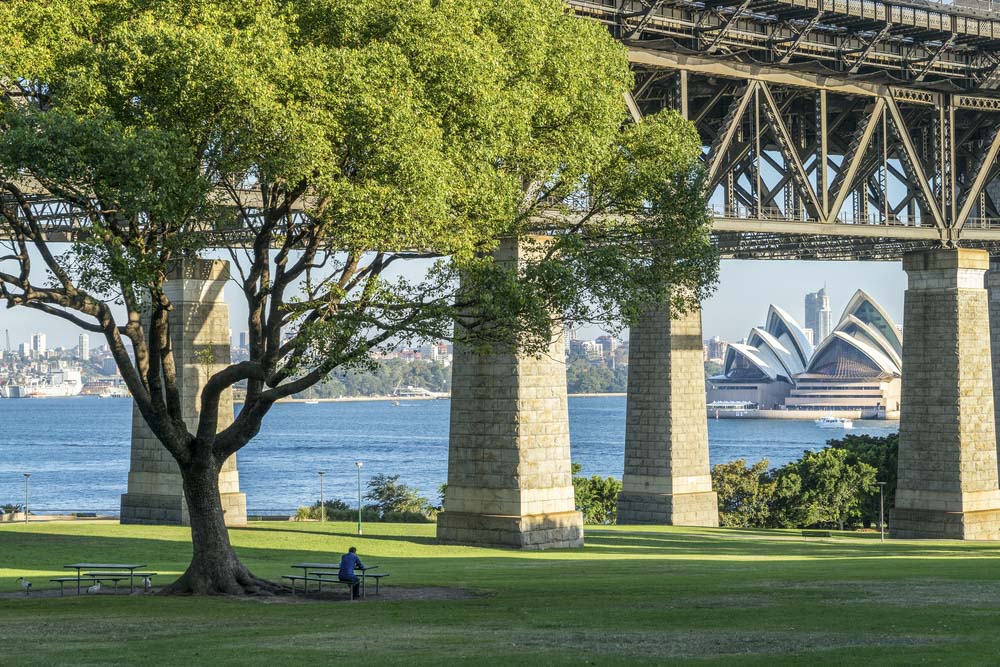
column 83, row 347
column 243, row 341
column 38, row 344
column 819, row 317
column 715, row 349
column 588, row 349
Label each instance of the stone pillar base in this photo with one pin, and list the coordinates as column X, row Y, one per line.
column 234, row 505
column 914, row 524
column 558, row 530
column 682, row 509
column 148, row 509
column 154, row 510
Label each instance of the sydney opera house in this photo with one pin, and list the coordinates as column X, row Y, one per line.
column 853, row 372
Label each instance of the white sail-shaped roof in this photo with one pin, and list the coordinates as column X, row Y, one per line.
column 844, row 356
column 745, row 362
column 791, row 362
column 866, row 309
column 854, row 327
column 783, row 327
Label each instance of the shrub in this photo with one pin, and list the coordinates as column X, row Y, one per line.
column 745, row 493
column 313, row 511
column 596, row 497
column 392, row 497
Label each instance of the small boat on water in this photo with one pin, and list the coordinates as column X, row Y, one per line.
column 834, row 422
column 311, row 401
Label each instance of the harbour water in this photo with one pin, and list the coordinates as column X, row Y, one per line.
column 77, row 449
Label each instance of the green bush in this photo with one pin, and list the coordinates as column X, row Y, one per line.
column 392, row 497
column 834, row 487
column 596, row 497
column 313, row 511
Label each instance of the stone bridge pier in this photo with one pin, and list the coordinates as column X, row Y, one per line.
column 948, row 481
column 199, row 330
column 667, row 478
column 509, row 473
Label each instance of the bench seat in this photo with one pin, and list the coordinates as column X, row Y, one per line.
column 62, row 581
column 367, row 575
column 319, row 580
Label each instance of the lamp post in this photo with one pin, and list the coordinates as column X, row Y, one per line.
column 27, row 475
column 881, row 511
column 322, row 504
column 359, row 464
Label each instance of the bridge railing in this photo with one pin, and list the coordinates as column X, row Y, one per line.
column 742, row 212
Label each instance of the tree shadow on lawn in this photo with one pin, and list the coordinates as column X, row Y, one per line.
column 647, row 543
column 413, row 539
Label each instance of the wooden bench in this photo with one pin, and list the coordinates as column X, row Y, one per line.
column 319, row 581
column 367, row 575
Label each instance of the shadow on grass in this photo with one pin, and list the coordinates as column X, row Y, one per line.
column 718, row 543
column 609, row 553
column 413, row 539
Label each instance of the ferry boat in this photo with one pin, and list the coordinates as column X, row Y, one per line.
column 834, row 422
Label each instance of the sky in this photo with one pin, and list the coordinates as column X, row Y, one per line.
column 745, row 290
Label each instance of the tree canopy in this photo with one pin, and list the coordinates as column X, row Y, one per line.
column 325, row 144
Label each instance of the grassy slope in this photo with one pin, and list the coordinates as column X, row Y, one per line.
column 633, row 594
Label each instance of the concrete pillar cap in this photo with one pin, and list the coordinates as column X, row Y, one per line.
column 946, row 258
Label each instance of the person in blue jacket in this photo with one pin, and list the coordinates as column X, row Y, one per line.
column 350, row 562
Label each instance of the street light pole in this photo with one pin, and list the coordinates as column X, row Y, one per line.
column 359, row 464
column 322, row 504
column 27, row 475
column 881, row 511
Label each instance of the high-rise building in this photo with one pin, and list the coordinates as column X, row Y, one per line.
column 243, row 340
column 819, row 317
column 38, row 344
column 83, row 347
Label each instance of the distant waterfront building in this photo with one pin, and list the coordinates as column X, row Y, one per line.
column 819, row 317
column 857, row 368
column 243, row 341
column 83, row 347
column 24, row 349
column 38, row 344
column 761, row 370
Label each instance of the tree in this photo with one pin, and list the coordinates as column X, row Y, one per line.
column 596, row 497
column 335, row 141
column 881, row 453
column 388, row 495
column 824, row 488
column 745, row 493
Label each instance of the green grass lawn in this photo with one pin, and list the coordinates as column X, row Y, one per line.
column 632, row 595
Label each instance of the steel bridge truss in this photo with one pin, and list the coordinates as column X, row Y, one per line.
column 802, row 165
column 897, row 41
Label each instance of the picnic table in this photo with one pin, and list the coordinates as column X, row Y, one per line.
column 109, row 569
column 321, row 570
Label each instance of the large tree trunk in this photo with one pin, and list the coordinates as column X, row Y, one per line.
column 215, row 569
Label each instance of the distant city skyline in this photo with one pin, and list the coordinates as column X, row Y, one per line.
column 745, row 289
